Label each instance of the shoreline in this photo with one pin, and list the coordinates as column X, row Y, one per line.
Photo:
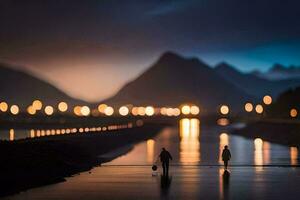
column 272, row 131
column 33, row 163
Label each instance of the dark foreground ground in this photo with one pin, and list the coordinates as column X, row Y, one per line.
column 184, row 182
column 34, row 162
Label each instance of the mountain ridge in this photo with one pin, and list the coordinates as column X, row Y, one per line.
column 187, row 84
column 29, row 88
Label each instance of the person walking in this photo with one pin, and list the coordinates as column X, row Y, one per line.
column 226, row 156
column 165, row 157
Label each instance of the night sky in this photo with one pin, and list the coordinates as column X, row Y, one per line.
column 90, row 48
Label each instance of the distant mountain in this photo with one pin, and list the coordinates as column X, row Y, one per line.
column 173, row 80
column 21, row 88
column 253, row 84
column 280, row 72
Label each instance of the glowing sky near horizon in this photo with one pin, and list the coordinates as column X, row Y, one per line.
column 91, row 48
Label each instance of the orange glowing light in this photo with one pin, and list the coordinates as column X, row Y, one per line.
column 102, row 107
column 186, row 110
column 85, row 111
column 31, row 110
column 124, row 111
column 294, row 155
column 32, row 135
column 109, row 111
column 77, row 110
column 149, row 111
column 49, row 110
column 170, row 112
column 223, row 122
column 195, row 110
column 37, row 104
column 134, row 111
column 62, row 106
column 258, row 142
column 11, row 134
column 248, row 107
column 14, row 109
column 267, row 99
column 163, row 111
column 176, row 112
column 259, row 109
column 224, row 109
column 3, row 106
column 293, row 112
column 141, row 111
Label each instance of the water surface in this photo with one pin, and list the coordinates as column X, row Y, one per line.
column 193, row 143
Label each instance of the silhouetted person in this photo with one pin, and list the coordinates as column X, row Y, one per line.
column 226, row 155
column 165, row 157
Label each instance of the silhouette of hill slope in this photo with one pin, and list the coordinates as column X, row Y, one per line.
column 286, row 101
column 252, row 84
column 20, row 88
column 173, row 80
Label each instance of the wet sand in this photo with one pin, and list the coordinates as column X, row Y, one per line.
column 185, row 182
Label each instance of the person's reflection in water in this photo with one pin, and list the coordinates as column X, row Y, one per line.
column 165, row 183
column 226, row 180
column 165, row 157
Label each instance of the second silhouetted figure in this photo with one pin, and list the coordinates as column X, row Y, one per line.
column 165, row 157
column 226, row 155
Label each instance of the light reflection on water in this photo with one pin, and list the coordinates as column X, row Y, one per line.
column 224, row 140
column 150, row 150
column 191, row 144
column 294, row 155
column 189, row 141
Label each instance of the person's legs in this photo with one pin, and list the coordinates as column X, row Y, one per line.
column 164, row 168
column 167, row 168
column 225, row 163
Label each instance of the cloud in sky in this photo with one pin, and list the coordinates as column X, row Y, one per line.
column 94, row 37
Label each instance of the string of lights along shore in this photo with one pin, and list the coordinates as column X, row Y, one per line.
column 37, row 107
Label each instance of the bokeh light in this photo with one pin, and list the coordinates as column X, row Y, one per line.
column 176, row 111
column 163, row 111
column 14, row 109
column 186, row 110
column 123, row 111
column 224, row 109
column 259, row 109
column 77, row 110
column 293, row 112
column 223, row 122
column 248, row 107
column 62, row 106
column 31, row 110
column 3, row 106
column 37, row 104
column 102, row 107
column 49, row 110
column 134, row 111
column 141, row 111
column 195, row 110
column 109, row 111
column 258, row 142
column 267, row 99
column 149, row 111
column 85, row 111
